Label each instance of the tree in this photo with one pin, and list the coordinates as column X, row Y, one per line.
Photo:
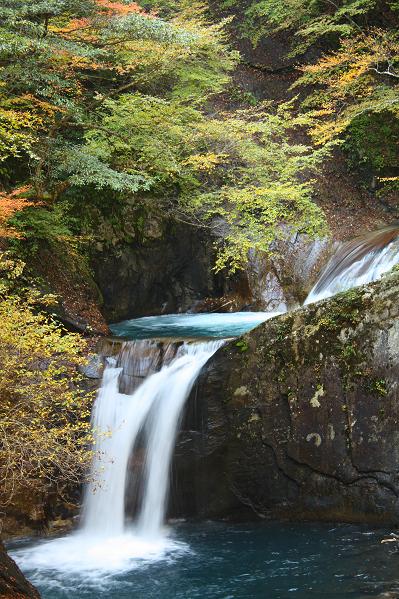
column 44, row 411
column 356, row 100
column 236, row 172
column 314, row 22
column 361, row 77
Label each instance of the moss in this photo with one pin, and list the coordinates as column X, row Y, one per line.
column 322, row 336
column 344, row 310
column 242, row 345
column 378, row 387
column 283, row 329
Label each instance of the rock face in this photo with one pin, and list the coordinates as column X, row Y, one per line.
column 285, row 279
column 13, row 584
column 299, row 418
column 173, row 272
column 167, row 274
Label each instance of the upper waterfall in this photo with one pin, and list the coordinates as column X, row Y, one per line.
column 358, row 262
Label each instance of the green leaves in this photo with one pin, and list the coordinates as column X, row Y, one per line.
column 61, row 60
column 77, row 166
column 310, row 21
column 257, row 216
column 147, row 136
column 103, row 105
column 139, row 27
column 239, row 168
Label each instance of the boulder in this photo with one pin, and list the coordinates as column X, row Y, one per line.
column 13, row 584
column 299, row 418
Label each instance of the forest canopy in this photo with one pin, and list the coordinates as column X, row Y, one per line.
column 108, row 110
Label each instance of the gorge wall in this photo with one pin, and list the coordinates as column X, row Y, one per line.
column 171, row 272
column 299, row 418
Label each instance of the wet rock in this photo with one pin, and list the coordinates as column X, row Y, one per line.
column 166, row 274
column 13, row 584
column 304, row 423
column 94, row 367
column 284, row 279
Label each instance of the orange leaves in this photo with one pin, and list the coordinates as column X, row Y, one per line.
column 88, row 30
column 85, row 27
column 69, row 63
column 36, row 107
column 10, row 203
column 73, row 25
column 119, row 8
column 76, row 29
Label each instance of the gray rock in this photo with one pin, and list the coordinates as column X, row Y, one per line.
column 304, row 423
column 163, row 275
column 94, row 368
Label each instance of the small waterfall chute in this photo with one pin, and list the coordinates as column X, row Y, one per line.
column 358, row 262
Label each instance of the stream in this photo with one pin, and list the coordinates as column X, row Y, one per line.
column 136, row 419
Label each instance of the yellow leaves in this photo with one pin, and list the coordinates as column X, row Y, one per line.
column 35, row 108
column 206, row 162
column 10, row 268
column 72, row 62
column 324, row 131
column 355, row 79
column 18, row 119
column 357, row 70
column 44, row 416
column 325, row 64
column 16, row 128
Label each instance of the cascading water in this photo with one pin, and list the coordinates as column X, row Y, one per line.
column 118, row 419
column 136, row 419
column 357, row 262
column 139, row 406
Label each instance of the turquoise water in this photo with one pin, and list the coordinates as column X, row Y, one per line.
column 215, row 325
column 246, row 561
column 214, row 560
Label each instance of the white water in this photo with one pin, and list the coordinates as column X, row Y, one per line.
column 348, row 272
column 118, row 419
column 106, row 542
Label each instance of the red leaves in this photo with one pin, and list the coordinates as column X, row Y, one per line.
column 119, row 8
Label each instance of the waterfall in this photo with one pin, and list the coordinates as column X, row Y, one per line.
column 153, row 410
column 135, row 421
column 357, row 262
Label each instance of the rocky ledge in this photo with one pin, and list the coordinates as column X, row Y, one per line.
column 299, row 418
column 13, row 584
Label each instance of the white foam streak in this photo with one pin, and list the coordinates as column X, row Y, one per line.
column 165, row 420
column 369, row 268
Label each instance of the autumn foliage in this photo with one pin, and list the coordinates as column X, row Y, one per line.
column 119, row 8
column 44, row 412
column 10, row 203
